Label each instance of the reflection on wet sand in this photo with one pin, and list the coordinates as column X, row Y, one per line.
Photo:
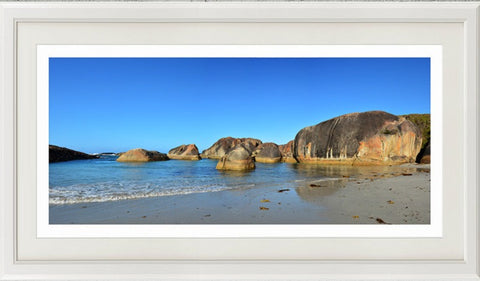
column 311, row 191
column 352, row 171
column 337, row 177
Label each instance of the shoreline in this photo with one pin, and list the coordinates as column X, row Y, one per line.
column 396, row 198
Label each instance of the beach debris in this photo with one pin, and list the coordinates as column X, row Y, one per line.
column 355, row 217
column 264, row 208
column 379, row 220
column 346, row 176
column 265, row 201
column 405, row 174
column 316, row 185
column 390, row 202
column 283, row 190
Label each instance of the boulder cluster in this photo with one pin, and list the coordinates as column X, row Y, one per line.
column 367, row 138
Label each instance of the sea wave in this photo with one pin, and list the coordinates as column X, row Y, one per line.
column 85, row 193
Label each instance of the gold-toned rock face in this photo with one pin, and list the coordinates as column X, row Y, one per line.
column 238, row 159
column 184, row 152
column 368, row 138
column 225, row 145
column 141, row 155
column 267, row 153
column 287, row 152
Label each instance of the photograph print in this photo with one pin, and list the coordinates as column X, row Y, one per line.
column 239, row 140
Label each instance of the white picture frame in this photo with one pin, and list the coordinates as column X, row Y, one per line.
column 25, row 256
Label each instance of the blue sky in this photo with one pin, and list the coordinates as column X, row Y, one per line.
column 116, row 104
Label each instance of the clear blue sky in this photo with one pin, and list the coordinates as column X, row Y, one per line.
column 116, row 104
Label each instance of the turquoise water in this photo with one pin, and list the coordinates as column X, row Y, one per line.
column 104, row 179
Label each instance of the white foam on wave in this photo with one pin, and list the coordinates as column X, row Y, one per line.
column 90, row 193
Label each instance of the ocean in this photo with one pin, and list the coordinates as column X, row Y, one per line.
column 105, row 179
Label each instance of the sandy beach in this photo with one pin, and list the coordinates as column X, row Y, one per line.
column 400, row 197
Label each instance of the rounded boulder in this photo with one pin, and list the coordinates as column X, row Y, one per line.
column 225, row 145
column 141, row 155
column 238, row 159
column 184, row 152
column 267, row 153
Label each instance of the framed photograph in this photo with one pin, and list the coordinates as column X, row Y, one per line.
column 239, row 140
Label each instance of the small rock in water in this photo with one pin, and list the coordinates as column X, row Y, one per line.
column 283, row 190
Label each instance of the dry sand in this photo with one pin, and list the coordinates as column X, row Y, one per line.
column 400, row 198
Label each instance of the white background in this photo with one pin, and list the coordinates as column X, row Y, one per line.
column 44, row 52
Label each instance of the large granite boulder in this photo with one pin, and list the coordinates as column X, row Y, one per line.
column 238, row 159
column 287, row 152
column 141, row 155
column 61, row 154
column 225, row 145
column 184, row 152
column 267, row 153
column 373, row 137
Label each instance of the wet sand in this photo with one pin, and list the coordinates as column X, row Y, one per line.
column 402, row 197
